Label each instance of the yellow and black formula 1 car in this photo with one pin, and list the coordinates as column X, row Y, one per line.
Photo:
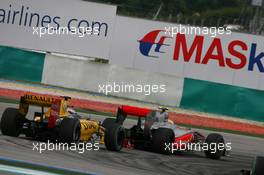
column 55, row 121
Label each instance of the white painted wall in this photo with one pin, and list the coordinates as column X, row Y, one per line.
column 87, row 76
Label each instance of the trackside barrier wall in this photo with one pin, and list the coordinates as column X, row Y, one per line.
column 223, row 99
column 210, row 84
column 145, row 45
column 21, row 65
column 84, row 75
column 25, row 24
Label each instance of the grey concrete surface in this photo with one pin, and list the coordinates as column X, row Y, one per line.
column 138, row 162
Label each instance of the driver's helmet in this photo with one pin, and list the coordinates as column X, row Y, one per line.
column 71, row 111
column 162, row 115
column 162, row 108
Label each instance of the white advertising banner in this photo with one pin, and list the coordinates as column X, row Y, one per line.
column 211, row 54
column 63, row 26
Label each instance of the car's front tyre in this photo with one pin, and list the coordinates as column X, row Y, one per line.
column 213, row 141
column 69, row 131
column 160, row 138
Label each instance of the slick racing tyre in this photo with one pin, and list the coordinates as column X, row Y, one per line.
column 108, row 122
column 160, row 138
column 11, row 122
column 69, row 131
column 114, row 137
column 213, row 140
column 258, row 167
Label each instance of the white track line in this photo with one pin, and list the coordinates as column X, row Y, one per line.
column 23, row 171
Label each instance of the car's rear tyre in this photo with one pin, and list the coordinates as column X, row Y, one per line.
column 213, row 140
column 258, row 167
column 162, row 137
column 11, row 122
column 108, row 122
column 114, row 137
column 70, row 129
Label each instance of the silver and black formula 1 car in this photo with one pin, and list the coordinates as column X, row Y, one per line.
column 155, row 132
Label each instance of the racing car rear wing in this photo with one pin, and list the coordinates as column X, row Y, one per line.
column 125, row 110
column 57, row 106
column 41, row 100
column 134, row 111
column 36, row 100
